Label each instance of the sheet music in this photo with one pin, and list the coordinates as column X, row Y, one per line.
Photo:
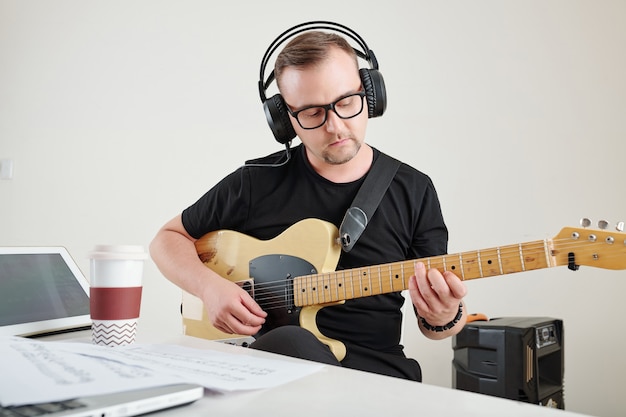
column 36, row 371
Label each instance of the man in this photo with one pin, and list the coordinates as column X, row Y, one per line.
column 318, row 77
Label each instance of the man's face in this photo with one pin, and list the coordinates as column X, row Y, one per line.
column 338, row 140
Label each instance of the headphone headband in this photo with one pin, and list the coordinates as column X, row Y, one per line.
column 366, row 53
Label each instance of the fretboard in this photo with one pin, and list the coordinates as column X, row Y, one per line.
column 381, row 279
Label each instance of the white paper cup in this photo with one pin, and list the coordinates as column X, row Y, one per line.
column 115, row 293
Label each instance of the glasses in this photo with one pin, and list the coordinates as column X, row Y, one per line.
column 345, row 107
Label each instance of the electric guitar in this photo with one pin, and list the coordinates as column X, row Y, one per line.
column 293, row 275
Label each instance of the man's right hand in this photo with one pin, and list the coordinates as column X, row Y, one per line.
column 231, row 309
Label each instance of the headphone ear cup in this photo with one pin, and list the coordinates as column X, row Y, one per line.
column 375, row 91
column 278, row 119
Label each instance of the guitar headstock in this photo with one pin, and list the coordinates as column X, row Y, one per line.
column 599, row 248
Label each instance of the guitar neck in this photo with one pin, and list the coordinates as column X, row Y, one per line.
column 381, row 279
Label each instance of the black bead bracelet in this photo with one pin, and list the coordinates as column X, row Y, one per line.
column 448, row 326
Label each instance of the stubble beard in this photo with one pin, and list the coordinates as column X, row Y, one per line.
column 342, row 157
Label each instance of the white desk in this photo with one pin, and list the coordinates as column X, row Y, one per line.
column 339, row 391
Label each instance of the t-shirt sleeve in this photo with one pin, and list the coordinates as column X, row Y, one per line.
column 225, row 206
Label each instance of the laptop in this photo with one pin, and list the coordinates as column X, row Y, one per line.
column 121, row 404
column 43, row 292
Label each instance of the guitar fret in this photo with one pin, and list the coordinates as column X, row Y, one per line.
column 461, row 266
column 480, row 264
column 328, row 287
column 313, row 289
column 394, row 278
column 405, row 284
column 500, row 260
column 296, row 292
column 325, row 288
column 360, row 282
column 301, row 284
column 521, row 257
column 406, row 275
column 352, row 283
column 397, row 278
column 341, row 285
column 316, row 288
column 307, row 291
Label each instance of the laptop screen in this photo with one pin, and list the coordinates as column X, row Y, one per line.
column 42, row 290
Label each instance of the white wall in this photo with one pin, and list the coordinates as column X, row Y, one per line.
column 118, row 114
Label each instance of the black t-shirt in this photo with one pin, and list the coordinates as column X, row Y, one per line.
column 265, row 197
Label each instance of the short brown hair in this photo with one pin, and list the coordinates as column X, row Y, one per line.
column 309, row 49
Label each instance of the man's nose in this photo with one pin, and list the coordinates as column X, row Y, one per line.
column 332, row 121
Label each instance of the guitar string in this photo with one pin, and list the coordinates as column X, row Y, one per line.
column 538, row 248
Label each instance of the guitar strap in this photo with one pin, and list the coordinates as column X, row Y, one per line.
column 367, row 200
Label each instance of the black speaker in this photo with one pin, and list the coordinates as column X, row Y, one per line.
column 519, row 358
column 275, row 106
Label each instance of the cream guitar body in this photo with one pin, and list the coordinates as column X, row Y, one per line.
column 265, row 269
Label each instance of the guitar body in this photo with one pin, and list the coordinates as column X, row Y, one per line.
column 265, row 268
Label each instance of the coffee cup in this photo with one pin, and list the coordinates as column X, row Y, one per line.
column 116, row 273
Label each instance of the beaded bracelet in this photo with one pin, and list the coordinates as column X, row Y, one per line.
column 448, row 326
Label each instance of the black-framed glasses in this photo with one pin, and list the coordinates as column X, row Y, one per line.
column 345, row 107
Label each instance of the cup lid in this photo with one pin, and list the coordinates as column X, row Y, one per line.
column 131, row 252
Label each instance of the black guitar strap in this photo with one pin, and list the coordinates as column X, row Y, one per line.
column 367, row 200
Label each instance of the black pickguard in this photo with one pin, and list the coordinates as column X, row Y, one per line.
column 272, row 287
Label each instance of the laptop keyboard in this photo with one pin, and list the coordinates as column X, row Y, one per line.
column 39, row 409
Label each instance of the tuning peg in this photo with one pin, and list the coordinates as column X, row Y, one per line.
column 603, row 224
column 620, row 227
column 585, row 222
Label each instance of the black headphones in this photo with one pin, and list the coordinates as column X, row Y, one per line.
column 275, row 107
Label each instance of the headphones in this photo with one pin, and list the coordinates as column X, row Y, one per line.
column 275, row 107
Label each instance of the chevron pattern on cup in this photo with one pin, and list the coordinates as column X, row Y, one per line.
column 113, row 332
